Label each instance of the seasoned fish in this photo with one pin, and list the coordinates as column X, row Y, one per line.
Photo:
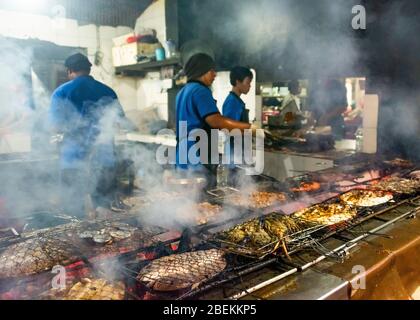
column 180, row 271
column 281, row 226
column 260, row 233
column 397, row 185
column 202, row 212
column 327, row 214
column 366, row 198
column 88, row 289
column 96, row 289
column 34, row 256
column 257, row 199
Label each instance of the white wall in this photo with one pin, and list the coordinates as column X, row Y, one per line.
column 154, row 18
column 221, row 88
column 149, row 89
column 67, row 32
column 134, row 93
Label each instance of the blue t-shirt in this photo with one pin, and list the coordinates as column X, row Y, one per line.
column 194, row 103
column 85, row 110
column 233, row 107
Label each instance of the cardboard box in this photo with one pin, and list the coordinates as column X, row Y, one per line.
column 127, row 54
column 122, row 40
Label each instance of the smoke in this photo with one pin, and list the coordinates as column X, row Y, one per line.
column 282, row 40
column 28, row 186
column 394, row 71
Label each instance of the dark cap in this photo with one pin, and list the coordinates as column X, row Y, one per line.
column 78, row 62
column 198, row 65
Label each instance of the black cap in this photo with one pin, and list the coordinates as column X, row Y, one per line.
column 198, row 65
column 78, row 62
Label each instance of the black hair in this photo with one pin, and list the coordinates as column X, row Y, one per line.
column 198, row 65
column 239, row 73
column 293, row 85
column 78, row 62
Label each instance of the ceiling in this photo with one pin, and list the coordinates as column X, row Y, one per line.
column 101, row 12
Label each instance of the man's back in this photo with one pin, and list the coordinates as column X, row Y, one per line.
column 78, row 109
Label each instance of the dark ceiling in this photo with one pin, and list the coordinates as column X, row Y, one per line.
column 101, row 12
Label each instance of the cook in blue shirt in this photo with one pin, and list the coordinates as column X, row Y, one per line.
column 84, row 110
column 197, row 109
column 234, row 107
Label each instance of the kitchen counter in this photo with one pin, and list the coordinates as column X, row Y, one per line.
column 167, row 140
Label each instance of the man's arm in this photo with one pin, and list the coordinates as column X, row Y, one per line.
column 57, row 114
column 217, row 121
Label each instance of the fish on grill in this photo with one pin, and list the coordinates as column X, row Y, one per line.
column 206, row 211
column 34, row 256
column 108, row 233
column 281, row 226
column 366, row 198
column 261, row 232
column 89, row 289
column 257, row 199
column 201, row 213
column 181, row 271
column 307, row 187
column 96, row 289
column 415, row 175
column 397, row 185
column 327, row 214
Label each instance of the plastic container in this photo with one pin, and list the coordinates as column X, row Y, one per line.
column 359, row 140
column 170, row 48
column 160, row 54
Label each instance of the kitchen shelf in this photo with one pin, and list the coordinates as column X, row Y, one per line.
column 141, row 68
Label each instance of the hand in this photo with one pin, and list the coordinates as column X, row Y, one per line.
column 257, row 131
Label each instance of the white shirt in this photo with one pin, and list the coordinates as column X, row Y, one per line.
column 291, row 103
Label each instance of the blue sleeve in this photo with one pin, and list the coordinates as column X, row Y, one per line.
column 205, row 103
column 231, row 110
column 56, row 113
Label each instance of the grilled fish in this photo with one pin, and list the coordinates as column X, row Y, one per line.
column 180, row 271
column 397, row 185
column 280, row 226
column 260, row 233
column 108, row 233
column 327, row 214
column 34, row 256
column 366, row 198
column 97, row 289
column 88, row 289
column 257, row 199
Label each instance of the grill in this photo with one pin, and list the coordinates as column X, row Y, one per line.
column 124, row 260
